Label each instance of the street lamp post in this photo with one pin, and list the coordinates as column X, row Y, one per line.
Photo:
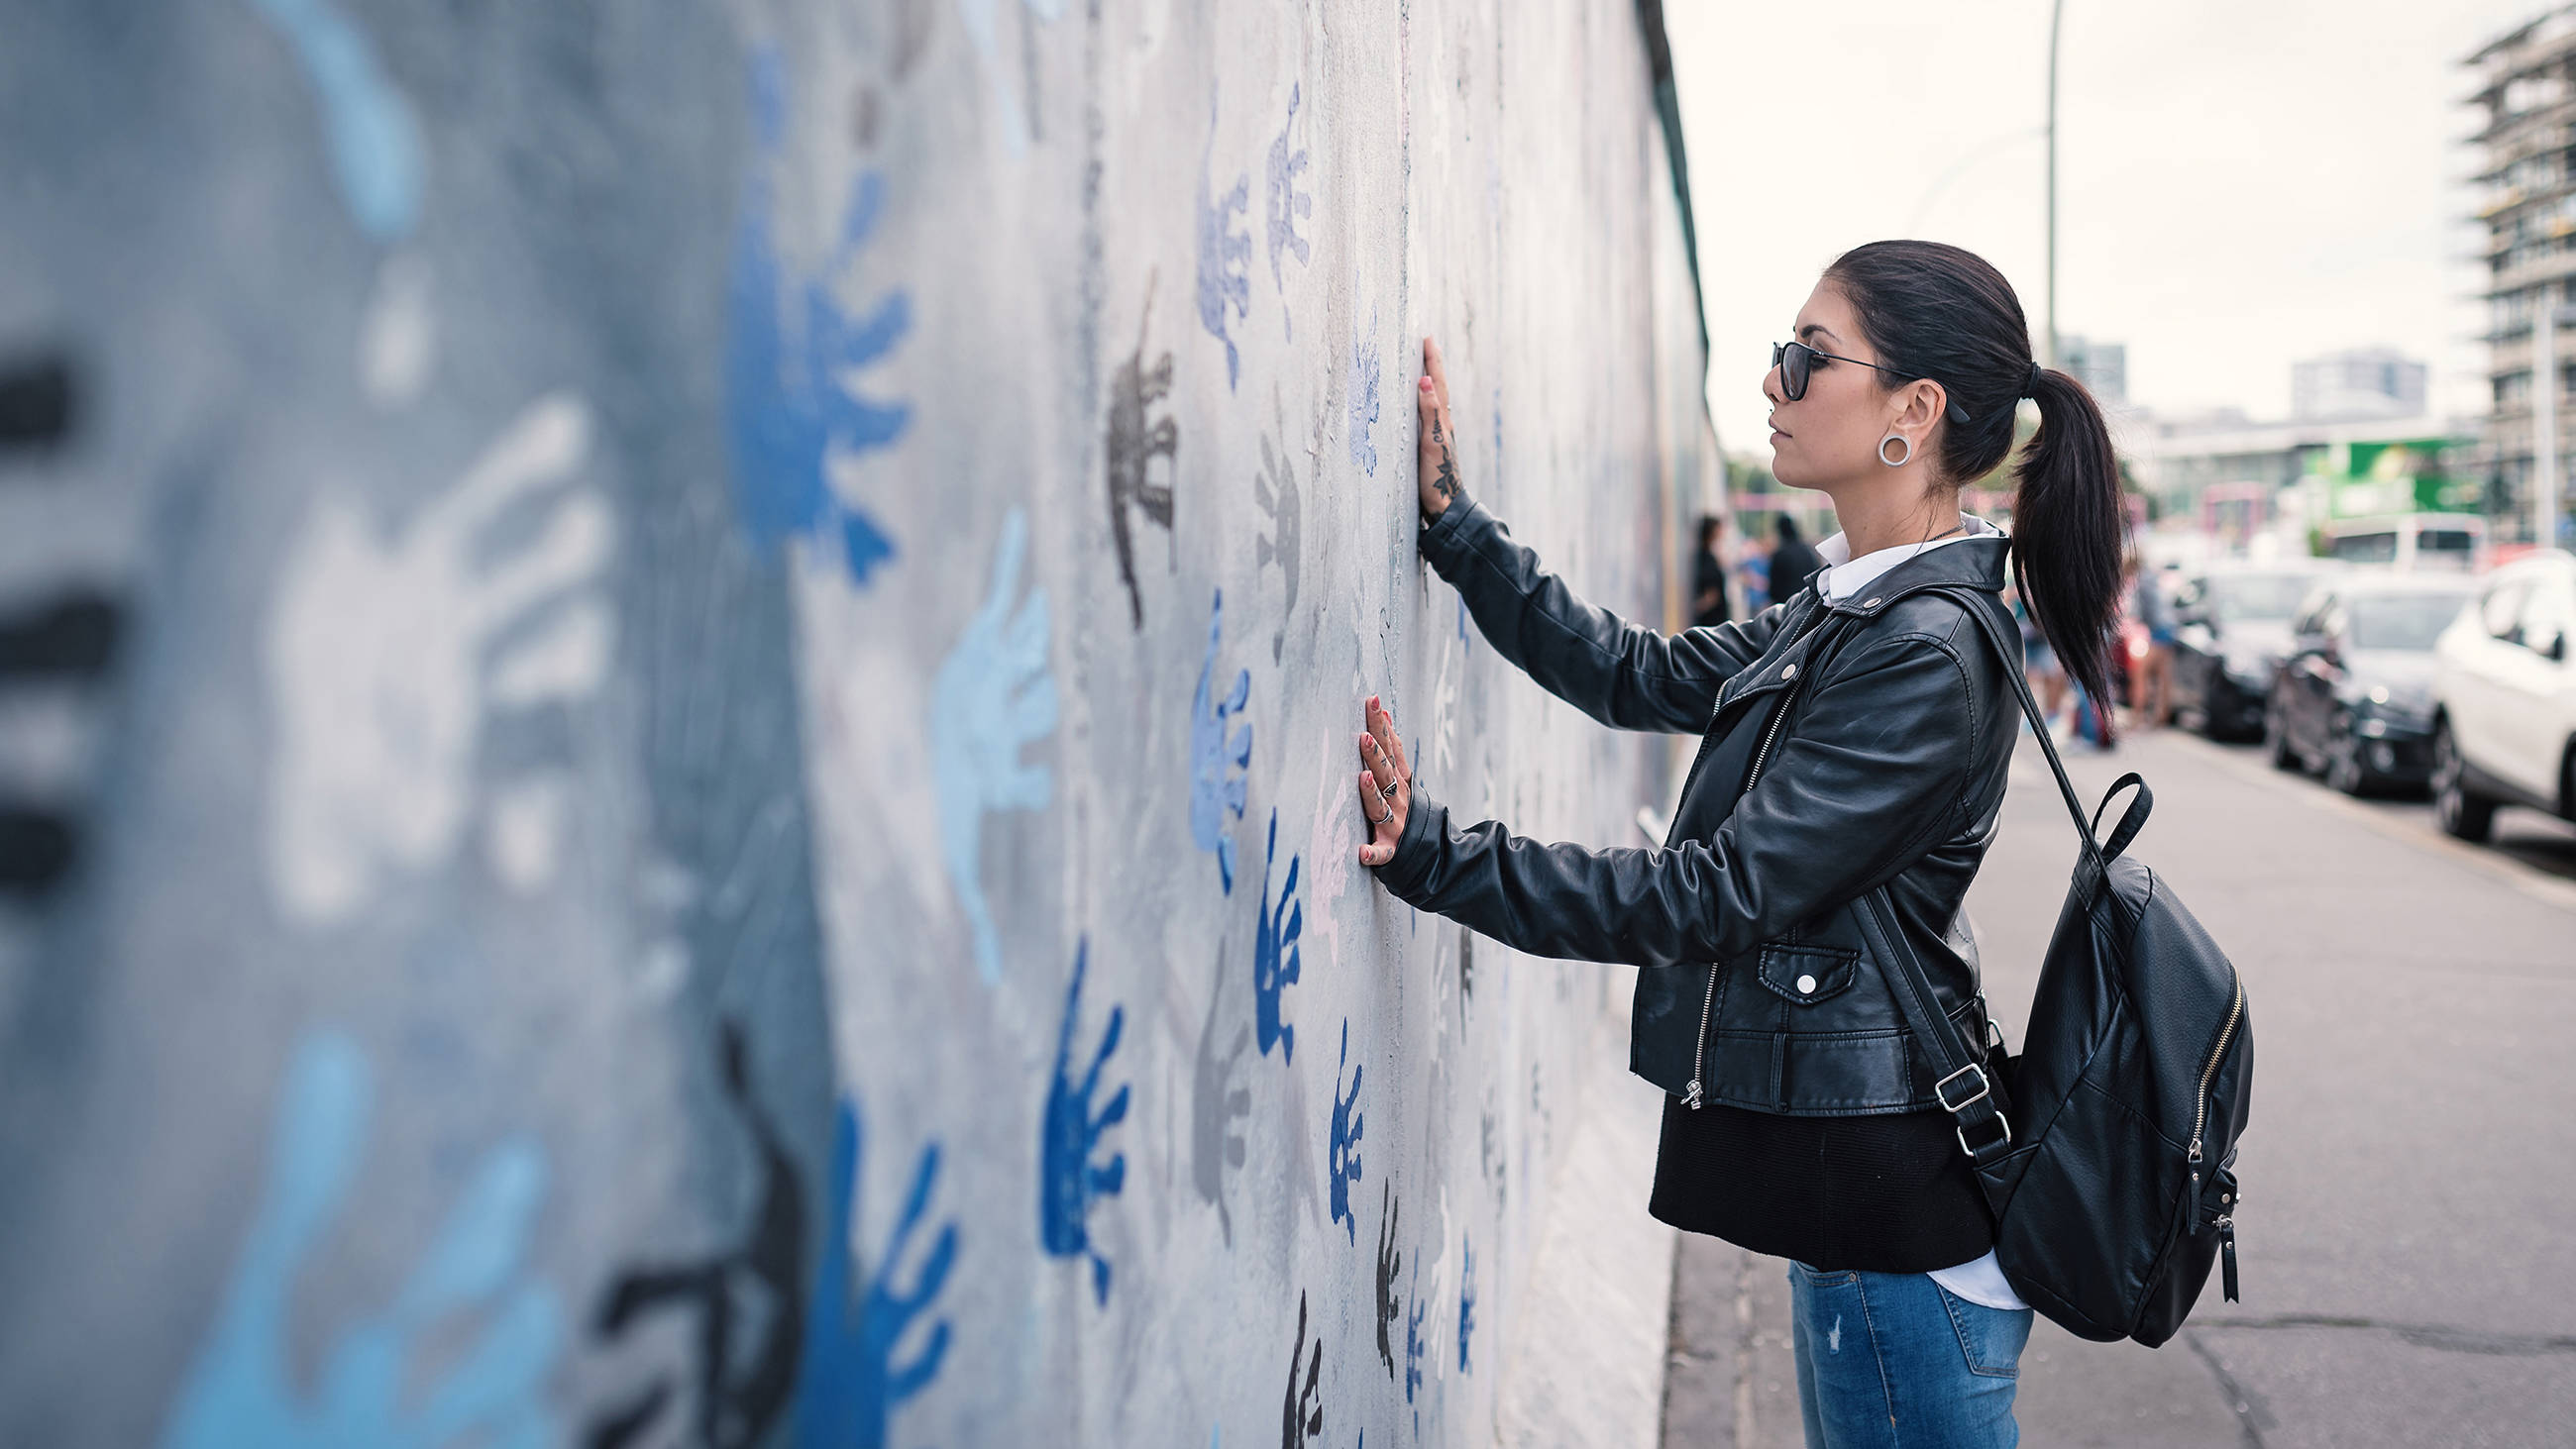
column 2544, row 421
column 2056, row 14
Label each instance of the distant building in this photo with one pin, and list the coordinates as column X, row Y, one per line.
column 2234, row 478
column 2103, row 367
column 2371, row 382
column 2529, row 211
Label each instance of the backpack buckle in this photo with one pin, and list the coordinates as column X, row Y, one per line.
column 2003, row 1141
column 1941, row 1095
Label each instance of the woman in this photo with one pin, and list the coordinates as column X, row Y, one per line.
column 1855, row 735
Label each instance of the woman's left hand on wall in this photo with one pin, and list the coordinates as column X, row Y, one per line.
column 1386, row 786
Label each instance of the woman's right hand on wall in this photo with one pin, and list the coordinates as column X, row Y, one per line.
column 1436, row 454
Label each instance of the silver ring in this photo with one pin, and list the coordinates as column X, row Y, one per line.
column 1382, row 819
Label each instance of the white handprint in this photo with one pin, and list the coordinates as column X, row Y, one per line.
column 380, row 660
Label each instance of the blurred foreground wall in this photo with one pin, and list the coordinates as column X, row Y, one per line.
column 676, row 704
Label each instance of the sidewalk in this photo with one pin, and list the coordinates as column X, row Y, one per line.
column 1730, row 1382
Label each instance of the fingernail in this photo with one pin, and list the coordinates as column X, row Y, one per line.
column 1426, row 384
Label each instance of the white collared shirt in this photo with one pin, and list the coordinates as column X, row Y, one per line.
column 1844, row 576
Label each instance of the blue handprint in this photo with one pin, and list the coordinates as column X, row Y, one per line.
column 1068, row 1183
column 1225, row 254
column 242, row 1390
column 1364, row 409
column 788, row 409
column 1415, row 1346
column 1466, row 1303
column 849, row 1385
column 1342, row 1153
column 1283, row 203
column 993, row 696
column 1276, row 960
column 1218, row 788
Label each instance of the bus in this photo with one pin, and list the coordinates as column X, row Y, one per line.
column 2408, row 542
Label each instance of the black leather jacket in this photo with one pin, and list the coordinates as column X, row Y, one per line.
column 1888, row 766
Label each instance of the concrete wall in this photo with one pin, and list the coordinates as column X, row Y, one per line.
column 676, row 692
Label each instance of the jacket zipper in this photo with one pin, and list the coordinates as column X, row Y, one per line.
column 1699, row 1049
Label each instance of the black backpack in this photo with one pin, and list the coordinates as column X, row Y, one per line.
column 2107, row 1149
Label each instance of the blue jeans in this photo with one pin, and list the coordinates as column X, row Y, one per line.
column 1894, row 1359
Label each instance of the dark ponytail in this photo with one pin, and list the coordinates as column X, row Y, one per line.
column 1939, row 312
column 2070, row 531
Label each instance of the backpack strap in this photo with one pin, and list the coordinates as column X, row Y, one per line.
column 1960, row 1082
column 2093, row 869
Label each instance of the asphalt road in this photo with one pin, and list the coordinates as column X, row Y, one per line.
column 2408, row 1233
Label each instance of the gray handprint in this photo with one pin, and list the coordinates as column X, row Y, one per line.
column 1218, row 1104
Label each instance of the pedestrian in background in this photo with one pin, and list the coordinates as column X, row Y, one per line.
column 2151, row 668
column 1708, row 574
column 1793, row 563
column 1753, row 572
column 1857, row 743
column 2039, row 662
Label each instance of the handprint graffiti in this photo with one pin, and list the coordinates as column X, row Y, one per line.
column 63, row 642
column 1219, row 788
column 978, row 18
column 743, row 1382
column 1068, row 1181
column 40, row 402
column 1363, row 398
column 849, row 1383
column 488, row 1390
column 1218, row 1102
column 993, row 697
column 377, row 158
column 1466, row 1302
column 1415, row 1345
column 1342, row 1151
column 1224, row 253
column 1301, row 1416
column 1275, row 487
column 1276, row 964
column 1133, row 445
column 1330, row 847
column 385, row 652
column 1390, row 1262
column 1283, row 202
column 791, row 411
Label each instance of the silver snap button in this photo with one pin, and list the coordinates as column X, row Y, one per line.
column 1869, row 603
column 1789, row 671
column 1806, row 985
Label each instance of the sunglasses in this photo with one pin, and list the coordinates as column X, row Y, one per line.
column 1797, row 361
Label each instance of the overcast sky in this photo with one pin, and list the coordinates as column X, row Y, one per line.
column 2241, row 184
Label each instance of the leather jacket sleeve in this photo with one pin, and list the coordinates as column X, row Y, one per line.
column 1878, row 770
column 1619, row 674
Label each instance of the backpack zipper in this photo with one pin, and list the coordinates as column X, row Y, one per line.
column 2209, row 1073
column 1699, row 1050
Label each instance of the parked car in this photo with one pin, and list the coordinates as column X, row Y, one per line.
column 2355, row 697
column 2233, row 632
column 2504, row 688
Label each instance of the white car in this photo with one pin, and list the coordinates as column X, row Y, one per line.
column 2505, row 689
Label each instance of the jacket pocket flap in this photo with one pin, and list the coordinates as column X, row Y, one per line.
column 1807, row 974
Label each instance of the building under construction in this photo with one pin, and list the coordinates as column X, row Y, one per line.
column 2527, row 175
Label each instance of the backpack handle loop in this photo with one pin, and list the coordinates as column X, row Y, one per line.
column 2132, row 820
